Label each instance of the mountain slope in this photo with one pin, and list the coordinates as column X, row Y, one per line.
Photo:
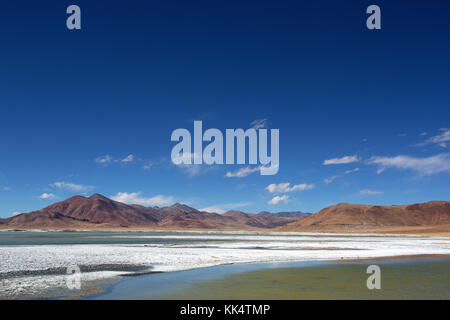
column 99, row 212
column 260, row 220
column 290, row 214
column 345, row 217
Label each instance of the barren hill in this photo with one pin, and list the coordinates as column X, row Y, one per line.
column 345, row 217
column 99, row 212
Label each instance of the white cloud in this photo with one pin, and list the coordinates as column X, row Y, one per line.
column 285, row 187
column 424, row 166
column 369, row 192
column 103, row 159
column 277, row 199
column 343, row 160
column 423, row 134
column 150, row 165
column 259, row 124
column 135, row 198
column 47, row 196
column 129, row 158
column 351, row 171
column 189, row 157
column 222, row 208
column 241, row 173
column 332, row 178
column 441, row 139
column 71, row 186
column 106, row 159
column 193, row 169
column 6, row 188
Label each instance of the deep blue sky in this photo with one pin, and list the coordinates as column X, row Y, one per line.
column 140, row 69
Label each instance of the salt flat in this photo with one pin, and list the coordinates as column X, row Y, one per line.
column 161, row 253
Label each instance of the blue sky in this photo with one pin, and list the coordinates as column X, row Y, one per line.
column 93, row 110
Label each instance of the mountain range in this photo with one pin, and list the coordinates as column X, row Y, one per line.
column 428, row 217
column 98, row 212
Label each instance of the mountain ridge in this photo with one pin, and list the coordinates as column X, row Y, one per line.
column 347, row 217
column 98, row 212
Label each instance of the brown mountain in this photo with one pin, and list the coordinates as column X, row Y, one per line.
column 99, row 212
column 260, row 220
column 84, row 212
column 287, row 214
column 426, row 217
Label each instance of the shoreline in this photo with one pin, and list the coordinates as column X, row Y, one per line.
column 404, row 233
column 398, row 258
column 241, row 271
column 97, row 287
column 33, row 265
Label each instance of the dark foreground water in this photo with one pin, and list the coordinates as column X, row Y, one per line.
column 424, row 278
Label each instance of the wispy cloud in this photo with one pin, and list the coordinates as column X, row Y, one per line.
column 151, row 164
column 369, row 192
column 192, row 169
column 343, row 160
column 441, row 139
column 71, row 186
column 351, row 171
column 278, row 199
column 136, row 198
column 332, row 178
column 46, row 196
column 241, row 173
column 148, row 166
column 6, row 188
column 107, row 159
column 286, row 187
column 423, row 166
column 129, row 158
column 222, row 208
column 103, row 159
column 259, row 124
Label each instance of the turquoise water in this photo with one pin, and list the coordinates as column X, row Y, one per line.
column 70, row 238
column 164, row 285
column 34, row 263
column 63, row 238
column 425, row 278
